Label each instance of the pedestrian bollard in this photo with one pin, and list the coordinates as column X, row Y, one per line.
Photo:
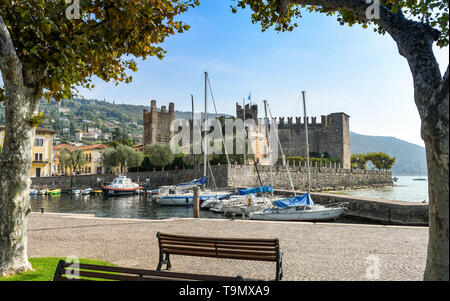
column 196, row 203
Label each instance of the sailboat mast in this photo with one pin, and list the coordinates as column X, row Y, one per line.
column 205, row 148
column 307, row 142
column 193, row 129
column 268, row 143
column 245, row 151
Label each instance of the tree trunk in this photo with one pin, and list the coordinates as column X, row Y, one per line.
column 415, row 42
column 435, row 133
column 15, row 164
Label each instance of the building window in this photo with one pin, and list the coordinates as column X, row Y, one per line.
column 38, row 142
column 38, row 157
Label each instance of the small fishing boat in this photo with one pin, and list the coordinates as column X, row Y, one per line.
column 54, row 192
column 177, row 198
column 75, row 191
column 121, row 186
column 97, row 191
column 87, row 191
column 300, row 208
column 34, row 192
column 43, row 191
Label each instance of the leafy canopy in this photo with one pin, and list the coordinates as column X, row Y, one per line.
column 63, row 53
column 269, row 14
column 159, row 154
column 121, row 155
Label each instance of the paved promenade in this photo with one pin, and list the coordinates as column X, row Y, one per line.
column 311, row 251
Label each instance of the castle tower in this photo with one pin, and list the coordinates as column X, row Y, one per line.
column 251, row 112
column 335, row 137
column 157, row 124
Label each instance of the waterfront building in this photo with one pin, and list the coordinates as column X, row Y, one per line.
column 92, row 154
column 42, row 151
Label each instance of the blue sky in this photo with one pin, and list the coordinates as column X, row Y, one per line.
column 343, row 69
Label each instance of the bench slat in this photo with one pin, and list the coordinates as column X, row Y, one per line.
column 157, row 275
column 216, row 251
column 219, row 255
column 168, row 244
column 163, row 236
column 111, row 276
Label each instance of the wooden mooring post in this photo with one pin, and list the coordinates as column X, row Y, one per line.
column 196, row 203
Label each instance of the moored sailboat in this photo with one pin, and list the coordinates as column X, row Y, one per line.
column 299, row 208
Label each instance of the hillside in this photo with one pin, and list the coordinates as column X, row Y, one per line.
column 96, row 116
column 104, row 117
column 410, row 157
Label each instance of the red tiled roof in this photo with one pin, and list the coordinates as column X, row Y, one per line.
column 93, row 146
column 38, row 130
column 85, row 147
column 62, row 146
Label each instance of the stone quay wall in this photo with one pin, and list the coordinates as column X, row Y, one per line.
column 388, row 212
column 322, row 178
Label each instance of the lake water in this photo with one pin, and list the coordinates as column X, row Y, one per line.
column 405, row 189
column 118, row 207
column 142, row 207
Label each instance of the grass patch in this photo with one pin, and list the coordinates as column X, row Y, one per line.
column 44, row 269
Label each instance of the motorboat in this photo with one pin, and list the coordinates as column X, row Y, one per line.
column 43, row 191
column 54, row 192
column 34, row 192
column 87, row 191
column 121, row 186
column 300, row 208
column 75, row 191
column 183, row 194
column 182, row 198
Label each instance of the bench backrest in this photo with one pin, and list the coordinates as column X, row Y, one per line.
column 86, row 272
column 231, row 248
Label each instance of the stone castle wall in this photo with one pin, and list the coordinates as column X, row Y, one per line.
column 331, row 135
column 322, row 178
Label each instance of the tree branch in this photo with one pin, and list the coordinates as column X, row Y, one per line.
column 9, row 61
column 414, row 41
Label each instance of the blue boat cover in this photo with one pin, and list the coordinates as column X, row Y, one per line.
column 255, row 190
column 201, row 181
column 227, row 196
column 295, row 201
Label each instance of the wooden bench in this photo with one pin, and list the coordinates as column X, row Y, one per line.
column 98, row 272
column 230, row 248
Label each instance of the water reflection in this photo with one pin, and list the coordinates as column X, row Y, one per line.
column 119, row 207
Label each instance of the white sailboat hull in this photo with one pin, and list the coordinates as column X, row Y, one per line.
column 186, row 198
column 293, row 215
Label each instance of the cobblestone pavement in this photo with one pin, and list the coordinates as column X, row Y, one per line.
column 311, row 251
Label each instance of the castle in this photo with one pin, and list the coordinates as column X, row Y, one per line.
column 329, row 137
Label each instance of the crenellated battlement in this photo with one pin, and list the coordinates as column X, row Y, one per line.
column 287, row 122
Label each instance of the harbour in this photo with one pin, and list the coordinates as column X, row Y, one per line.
column 144, row 207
